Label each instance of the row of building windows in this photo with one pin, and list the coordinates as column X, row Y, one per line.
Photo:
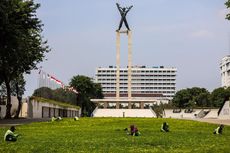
column 138, row 79
column 146, row 84
column 226, row 73
column 135, row 71
column 134, row 88
column 149, row 92
column 126, row 75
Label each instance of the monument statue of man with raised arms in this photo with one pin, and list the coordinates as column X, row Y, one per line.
column 123, row 11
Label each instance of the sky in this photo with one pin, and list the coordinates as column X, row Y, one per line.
column 191, row 35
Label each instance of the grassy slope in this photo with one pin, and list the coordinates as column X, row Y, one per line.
column 107, row 135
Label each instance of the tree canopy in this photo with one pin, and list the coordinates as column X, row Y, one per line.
column 228, row 6
column 200, row 97
column 21, row 43
column 59, row 94
column 219, row 96
column 87, row 89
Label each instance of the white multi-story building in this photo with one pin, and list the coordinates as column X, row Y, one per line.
column 159, row 82
column 225, row 71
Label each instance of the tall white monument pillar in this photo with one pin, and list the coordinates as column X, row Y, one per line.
column 129, row 67
column 118, row 66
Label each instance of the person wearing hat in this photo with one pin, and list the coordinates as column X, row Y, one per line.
column 10, row 135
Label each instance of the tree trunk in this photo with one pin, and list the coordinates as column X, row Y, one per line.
column 8, row 105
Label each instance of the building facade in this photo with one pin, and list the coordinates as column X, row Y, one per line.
column 225, row 71
column 158, row 82
column 43, row 108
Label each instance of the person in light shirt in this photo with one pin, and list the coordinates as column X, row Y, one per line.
column 165, row 127
column 10, row 135
column 219, row 130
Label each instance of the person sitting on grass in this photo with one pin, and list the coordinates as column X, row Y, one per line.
column 53, row 119
column 10, row 135
column 56, row 119
column 165, row 127
column 219, row 129
column 76, row 118
column 59, row 118
column 134, row 131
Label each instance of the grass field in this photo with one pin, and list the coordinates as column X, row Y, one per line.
column 107, row 135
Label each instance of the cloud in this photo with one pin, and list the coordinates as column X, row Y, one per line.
column 202, row 34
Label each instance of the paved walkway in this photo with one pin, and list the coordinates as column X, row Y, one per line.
column 13, row 122
column 215, row 121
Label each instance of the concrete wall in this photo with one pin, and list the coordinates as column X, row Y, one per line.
column 38, row 109
column 14, row 102
column 124, row 113
column 169, row 113
column 2, row 111
column 225, row 111
column 212, row 114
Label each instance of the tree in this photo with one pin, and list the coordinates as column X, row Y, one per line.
column 98, row 91
column 199, row 96
column 62, row 95
column 219, row 96
column 228, row 6
column 191, row 97
column 203, row 99
column 65, row 96
column 181, row 98
column 87, row 89
column 44, row 92
column 21, row 42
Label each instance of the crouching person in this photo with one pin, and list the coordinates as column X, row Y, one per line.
column 10, row 135
column 56, row 119
column 53, row 119
column 165, row 127
column 76, row 118
column 59, row 118
column 134, row 131
column 219, row 129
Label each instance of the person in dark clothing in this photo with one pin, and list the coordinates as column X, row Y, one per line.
column 165, row 127
column 10, row 135
column 123, row 11
column 219, row 130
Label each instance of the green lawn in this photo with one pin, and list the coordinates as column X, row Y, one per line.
column 107, row 135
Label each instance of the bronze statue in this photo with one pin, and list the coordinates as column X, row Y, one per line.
column 123, row 11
